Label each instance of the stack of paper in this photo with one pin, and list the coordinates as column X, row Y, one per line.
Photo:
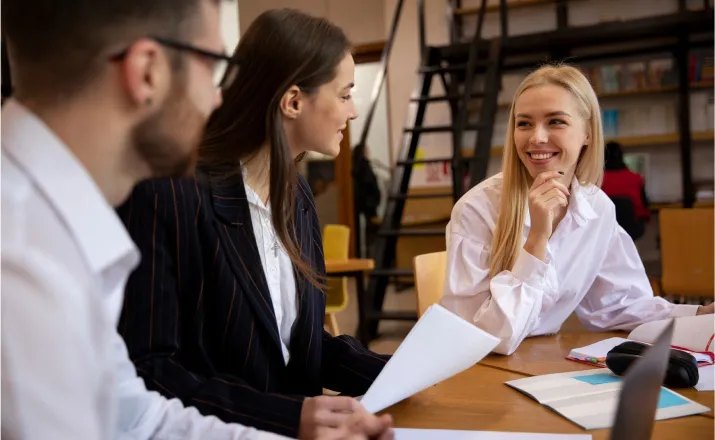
column 707, row 378
column 440, row 345
column 590, row 398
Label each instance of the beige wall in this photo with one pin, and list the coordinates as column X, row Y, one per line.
column 363, row 21
column 402, row 74
column 369, row 21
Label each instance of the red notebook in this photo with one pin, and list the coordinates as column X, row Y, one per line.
column 694, row 334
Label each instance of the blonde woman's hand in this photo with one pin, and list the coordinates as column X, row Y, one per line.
column 545, row 196
column 706, row 310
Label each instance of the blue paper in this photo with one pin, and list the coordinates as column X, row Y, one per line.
column 598, row 379
column 668, row 398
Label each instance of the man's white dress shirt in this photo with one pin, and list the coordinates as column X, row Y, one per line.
column 592, row 268
column 66, row 256
column 277, row 268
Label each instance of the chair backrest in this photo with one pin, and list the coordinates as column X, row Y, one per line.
column 429, row 279
column 336, row 242
column 336, row 246
column 686, row 242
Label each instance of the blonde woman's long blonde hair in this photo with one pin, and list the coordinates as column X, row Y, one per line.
column 516, row 180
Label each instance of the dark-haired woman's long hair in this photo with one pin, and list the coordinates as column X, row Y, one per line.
column 281, row 48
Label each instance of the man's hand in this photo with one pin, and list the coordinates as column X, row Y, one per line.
column 706, row 310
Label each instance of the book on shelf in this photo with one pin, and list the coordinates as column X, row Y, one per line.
column 647, row 75
column 700, row 67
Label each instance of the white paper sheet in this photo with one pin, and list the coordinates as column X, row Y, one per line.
column 707, row 378
column 443, row 434
column 691, row 332
column 440, row 345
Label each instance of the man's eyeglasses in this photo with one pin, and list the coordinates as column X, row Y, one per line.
column 224, row 66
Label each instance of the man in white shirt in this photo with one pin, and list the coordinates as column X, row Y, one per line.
column 108, row 93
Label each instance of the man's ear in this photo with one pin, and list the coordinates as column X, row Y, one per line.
column 146, row 73
column 292, row 102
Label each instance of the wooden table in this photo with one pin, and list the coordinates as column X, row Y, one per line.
column 349, row 266
column 354, row 268
column 479, row 399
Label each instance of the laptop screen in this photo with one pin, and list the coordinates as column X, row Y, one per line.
column 638, row 399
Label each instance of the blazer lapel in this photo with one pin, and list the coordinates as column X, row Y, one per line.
column 307, row 331
column 239, row 242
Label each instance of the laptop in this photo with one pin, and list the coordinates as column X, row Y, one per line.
column 640, row 391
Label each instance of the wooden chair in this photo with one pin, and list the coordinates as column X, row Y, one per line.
column 687, row 252
column 336, row 245
column 429, row 279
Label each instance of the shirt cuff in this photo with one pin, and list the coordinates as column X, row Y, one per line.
column 528, row 268
column 680, row 310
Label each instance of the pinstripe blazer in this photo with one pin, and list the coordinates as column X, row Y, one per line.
column 198, row 319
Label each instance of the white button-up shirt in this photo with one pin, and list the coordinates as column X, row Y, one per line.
column 592, row 268
column 277, row 267
column 66, row 257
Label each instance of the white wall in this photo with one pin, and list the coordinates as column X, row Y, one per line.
column 361, row 20
column 378, row 140
column 230, row 28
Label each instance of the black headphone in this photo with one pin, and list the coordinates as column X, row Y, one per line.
column 682, row 366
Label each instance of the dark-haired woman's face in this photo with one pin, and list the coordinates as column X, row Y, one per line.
column 325, row 115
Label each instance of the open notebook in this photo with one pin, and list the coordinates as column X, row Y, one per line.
column 693, row 334
column 590, row 398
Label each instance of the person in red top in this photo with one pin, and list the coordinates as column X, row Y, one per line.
column 627, row 190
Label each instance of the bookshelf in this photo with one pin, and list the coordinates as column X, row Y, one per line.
column 628, row 141
column 701, row 85
column 642, row 103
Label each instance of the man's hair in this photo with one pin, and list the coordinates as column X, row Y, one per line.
column 59, row 47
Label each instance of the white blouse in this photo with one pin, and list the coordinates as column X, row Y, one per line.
column 592, row 268
column 277, row 268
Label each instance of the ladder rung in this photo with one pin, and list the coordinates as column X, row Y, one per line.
column 448, row 97
column 460, row 67
column 412, row 232
column 441, row 128
column 392, row 272
column 396, row 315
column 419, row 196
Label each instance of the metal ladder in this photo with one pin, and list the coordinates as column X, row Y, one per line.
column 484, row 59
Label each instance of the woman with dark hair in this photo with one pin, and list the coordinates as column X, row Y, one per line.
column 627, row 191
column 226, row 310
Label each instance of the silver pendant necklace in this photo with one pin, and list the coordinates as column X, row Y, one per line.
column 269, row 227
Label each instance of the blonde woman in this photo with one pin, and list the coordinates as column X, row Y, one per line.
column 538, row 241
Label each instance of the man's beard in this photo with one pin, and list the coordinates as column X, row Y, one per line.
column 168, row 140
